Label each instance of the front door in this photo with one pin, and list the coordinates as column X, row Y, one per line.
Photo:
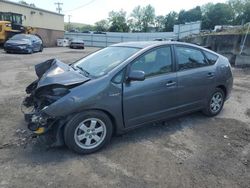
column 155, row 97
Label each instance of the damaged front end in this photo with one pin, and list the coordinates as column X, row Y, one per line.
column 55, row 80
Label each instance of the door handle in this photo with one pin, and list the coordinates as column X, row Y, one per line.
column 210, row 74
column 170, row 83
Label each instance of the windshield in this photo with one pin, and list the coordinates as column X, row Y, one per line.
column 21, row 37
column 103, row 61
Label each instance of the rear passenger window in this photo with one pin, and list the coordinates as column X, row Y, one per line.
column 212, row 58
column 189, row 58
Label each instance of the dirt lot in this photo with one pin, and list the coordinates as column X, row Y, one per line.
column 191, row 151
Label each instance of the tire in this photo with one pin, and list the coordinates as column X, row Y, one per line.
column 31, row 51
column 82, row 132
column 41, row 48
column 215, row 103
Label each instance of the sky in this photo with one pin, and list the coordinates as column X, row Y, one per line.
column 91, row 11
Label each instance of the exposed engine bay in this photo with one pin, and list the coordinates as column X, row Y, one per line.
column 55, row 80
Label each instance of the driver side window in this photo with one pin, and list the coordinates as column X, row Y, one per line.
column 155, row 62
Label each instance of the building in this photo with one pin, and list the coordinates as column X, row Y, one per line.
column 49, row 25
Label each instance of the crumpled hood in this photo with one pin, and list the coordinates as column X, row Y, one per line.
column 53, row 72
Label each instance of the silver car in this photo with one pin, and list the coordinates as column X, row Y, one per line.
column 122, row 87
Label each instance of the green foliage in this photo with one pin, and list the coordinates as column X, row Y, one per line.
column 218, row 14
column 246, row 14
column 160, row 23
column 190, row 15
column 27, row 4
column 118, row 21
column 142, row 18
column 170, row 20
column 102, row 25
column 136, row 19
column 148, row 17
column 241, row 9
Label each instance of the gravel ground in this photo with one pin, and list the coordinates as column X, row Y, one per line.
column 190, row 151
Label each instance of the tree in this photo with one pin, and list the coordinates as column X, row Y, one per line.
column 148, row 17
column 240, row 9
column 102, row 25
column 205, row 8
column 246, row 15
column 142, row 18
column 170, row 20
column 118, row 22
column 190, row 15
column 160, row 23
column 135, row 21
column 27, row 4
column 218, row 14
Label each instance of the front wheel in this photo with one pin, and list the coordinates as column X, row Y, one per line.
column 215, row 103
column 88, row 132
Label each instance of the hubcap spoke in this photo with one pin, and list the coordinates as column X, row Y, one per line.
column 81, row 137
column 93, row 124
column 213, row 99
column 83, row 127
column 96, row 138
column 99, row 129
column 88, row 141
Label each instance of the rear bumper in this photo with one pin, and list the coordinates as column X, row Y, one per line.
column 76, row 46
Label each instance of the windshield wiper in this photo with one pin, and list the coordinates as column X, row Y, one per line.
column 85, row 73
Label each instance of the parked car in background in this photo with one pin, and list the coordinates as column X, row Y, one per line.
column 23, row 43
column 122, row 87
column 77, row 43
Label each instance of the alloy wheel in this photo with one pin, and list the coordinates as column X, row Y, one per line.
column 216, row 102
column 90, row 133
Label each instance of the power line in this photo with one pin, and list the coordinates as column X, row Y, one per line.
column 59, row 8
column 86, row 4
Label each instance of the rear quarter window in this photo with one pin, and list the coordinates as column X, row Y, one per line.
column 212, row 58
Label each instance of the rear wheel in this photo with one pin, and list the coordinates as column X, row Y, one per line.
column 41, row 48
column 30, row 51
column 215, row 103
column 88, row 132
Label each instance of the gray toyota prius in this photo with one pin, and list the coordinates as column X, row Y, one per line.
column 122, row 87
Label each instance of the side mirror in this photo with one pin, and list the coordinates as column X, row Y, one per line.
column 136, row 75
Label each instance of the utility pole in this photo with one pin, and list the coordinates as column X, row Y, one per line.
column 242, row 47
column 59, row 8
column 69, row 16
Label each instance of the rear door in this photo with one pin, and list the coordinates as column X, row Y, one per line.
column 195, row 77
column 155, row 97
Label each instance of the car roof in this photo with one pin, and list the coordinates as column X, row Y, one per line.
column 145, row 44
column 25, row 35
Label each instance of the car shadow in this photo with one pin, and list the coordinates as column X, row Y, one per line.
column 37, row 153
